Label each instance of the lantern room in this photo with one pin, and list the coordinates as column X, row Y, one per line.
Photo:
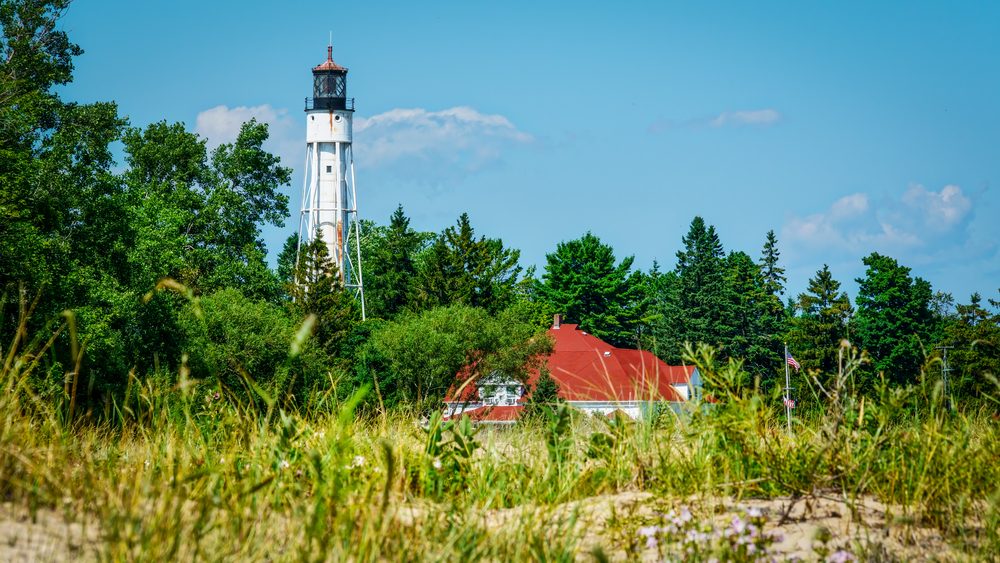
column 329, row 86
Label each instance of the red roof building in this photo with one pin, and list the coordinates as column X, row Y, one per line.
column 592, row 375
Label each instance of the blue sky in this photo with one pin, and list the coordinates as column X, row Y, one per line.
column 846, row 127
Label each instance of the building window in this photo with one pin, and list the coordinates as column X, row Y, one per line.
column 329, row 169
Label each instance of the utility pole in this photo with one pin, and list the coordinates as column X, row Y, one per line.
column 945, row 369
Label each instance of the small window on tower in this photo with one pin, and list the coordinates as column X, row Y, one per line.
column 329, row 169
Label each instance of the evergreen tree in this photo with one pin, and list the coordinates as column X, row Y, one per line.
column 893, row 318
column 750, row 309
column 773, row 274
column 702, row 295
column 774, row 317
column 664, row 314
column 582, row 282
column 318, row 289
column 461, row 269
column 544, row 397
column 975, row 334
column 822, row 322
column 390, row 268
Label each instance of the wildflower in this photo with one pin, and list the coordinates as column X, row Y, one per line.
column 685, row 514
column 146, row 464
column 284, row 464
column 738, row 525
column 436, row 463
column 754, row 512
column 359, row 461
column 650, row 533
column 222, row 461
column 841, row 556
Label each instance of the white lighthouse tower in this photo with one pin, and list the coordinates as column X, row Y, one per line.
column 329, row 196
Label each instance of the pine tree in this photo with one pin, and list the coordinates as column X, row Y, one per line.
column 774, row 275
column 544, row 397
column 773, row 316
column 664, row 314
column 318, row 289
column 975, row 334
column 893, row 318
column 582, row 282
column 391, row 269
column 461, row 269
column 822, row 322
column 750, row 307
column 703, row 307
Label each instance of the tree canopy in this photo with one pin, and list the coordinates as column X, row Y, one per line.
column 583, row 282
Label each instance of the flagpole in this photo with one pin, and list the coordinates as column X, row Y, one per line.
column 788, row 385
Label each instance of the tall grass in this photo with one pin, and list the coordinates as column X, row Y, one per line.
column 188, row 473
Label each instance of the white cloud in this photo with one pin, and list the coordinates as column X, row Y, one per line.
column 221, row 124
column 432, row 144
column 739, row 118
column 746, row 117
column 920, row 225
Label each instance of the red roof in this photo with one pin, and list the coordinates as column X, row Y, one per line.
column 328, row 64
column 589, row 369
column 493, row 414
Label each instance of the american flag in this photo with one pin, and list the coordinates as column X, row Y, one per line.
column 791, row 361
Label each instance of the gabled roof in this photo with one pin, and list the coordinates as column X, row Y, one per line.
column 588, row 369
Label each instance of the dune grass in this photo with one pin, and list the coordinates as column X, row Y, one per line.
column 183, row 472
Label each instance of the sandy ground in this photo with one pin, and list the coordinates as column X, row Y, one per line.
column 44, row 536
column 608, row 523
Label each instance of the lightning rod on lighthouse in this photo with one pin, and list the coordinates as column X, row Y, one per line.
column 329, row 196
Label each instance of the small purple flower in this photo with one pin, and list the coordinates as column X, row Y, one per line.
column 738, row 525
column 685, row 514
column 754, row 512
column 841, row 556
column 649, row 532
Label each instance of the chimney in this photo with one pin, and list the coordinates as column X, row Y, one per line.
column 556, row 320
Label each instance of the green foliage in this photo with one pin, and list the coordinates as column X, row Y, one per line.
column 240, row 342
column 390, row 264
column 544, row 397
column 691, row 305
column 822, row 322
column 448, row 457
column 558, row 436
column 974, row 333
column 198, row 220
column 417, row 358
column 582, row 282
column 752, row 313
column 317, row 289
column 462, row 270
column 893, row 318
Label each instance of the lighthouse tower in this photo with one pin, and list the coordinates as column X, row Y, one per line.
column 329, row 197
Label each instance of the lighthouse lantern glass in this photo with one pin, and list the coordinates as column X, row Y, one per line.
column 329, row 86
